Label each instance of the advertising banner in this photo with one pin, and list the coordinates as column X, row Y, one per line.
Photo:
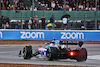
column 49, row 34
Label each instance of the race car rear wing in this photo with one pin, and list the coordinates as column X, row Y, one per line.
column 80, row 43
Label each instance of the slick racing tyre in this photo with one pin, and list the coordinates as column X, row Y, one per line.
column 82, row 55
column 27, row 50
column 52, row 53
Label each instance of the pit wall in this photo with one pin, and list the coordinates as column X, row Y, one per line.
column 78, row 35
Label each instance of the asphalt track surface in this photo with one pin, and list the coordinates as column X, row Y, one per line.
column 9, row 54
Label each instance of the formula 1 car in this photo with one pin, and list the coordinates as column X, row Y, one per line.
column 56, row 49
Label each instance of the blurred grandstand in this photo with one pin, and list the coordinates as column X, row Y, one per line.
column 83, row 13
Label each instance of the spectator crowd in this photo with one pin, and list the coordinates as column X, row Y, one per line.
column 13, row 5
column 4, row 22
column 72, row 5
column 33, row 23
column 69, row 5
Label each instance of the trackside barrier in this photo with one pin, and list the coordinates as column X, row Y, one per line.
column 85, row 35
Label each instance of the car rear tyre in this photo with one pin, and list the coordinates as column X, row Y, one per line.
column 82, row 55
column 52, row 53
column 27, row 50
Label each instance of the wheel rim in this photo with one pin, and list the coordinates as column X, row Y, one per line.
column 49, row 54
column 25, row 53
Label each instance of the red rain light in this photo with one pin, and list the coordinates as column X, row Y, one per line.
column 71, row 53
